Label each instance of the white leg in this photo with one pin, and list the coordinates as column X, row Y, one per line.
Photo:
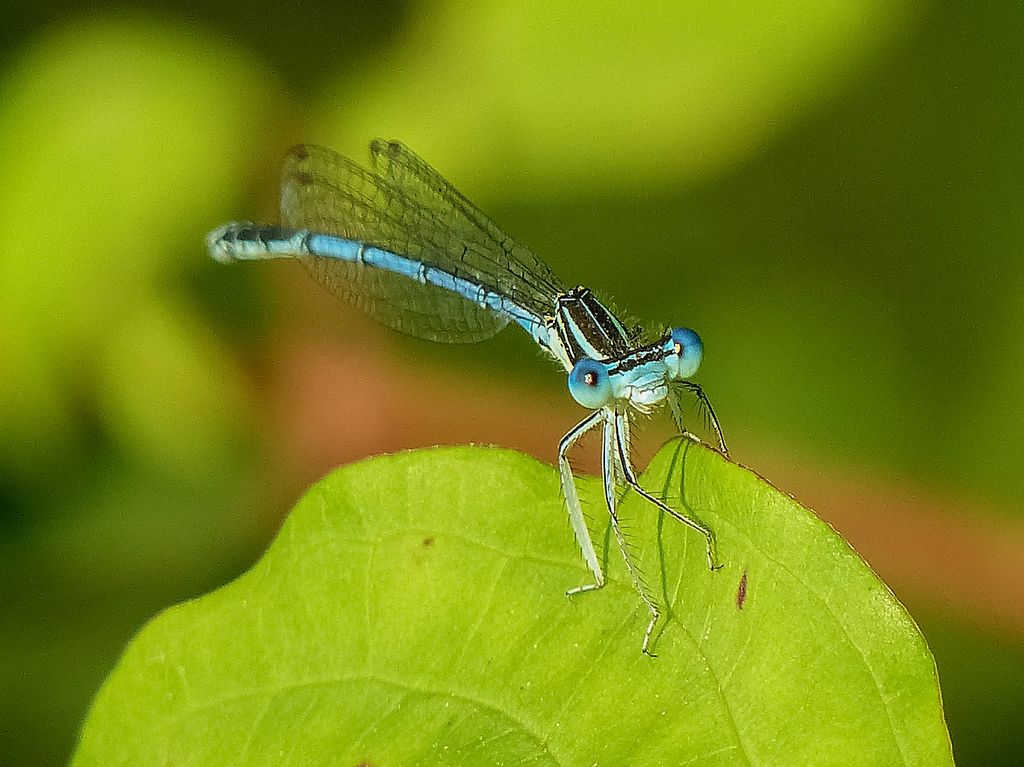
column 615, row 460
column 709, row 411
column 630, row 477
column 572, row 501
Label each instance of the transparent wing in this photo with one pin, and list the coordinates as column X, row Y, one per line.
column 492, row 257
column 421, row 217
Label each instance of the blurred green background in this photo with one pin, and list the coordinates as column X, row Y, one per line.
column 831, row 193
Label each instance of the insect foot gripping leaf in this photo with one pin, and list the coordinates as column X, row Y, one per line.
column 410, row 612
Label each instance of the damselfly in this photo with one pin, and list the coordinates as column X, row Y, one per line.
column 404, row 245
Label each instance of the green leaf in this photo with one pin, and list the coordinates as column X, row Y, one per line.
column 410, row 612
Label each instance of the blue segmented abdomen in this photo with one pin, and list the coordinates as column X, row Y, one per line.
column 244, row 241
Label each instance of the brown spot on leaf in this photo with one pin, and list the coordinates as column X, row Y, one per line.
column 741, row 591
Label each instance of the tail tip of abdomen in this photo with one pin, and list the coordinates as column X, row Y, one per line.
column 223, row 242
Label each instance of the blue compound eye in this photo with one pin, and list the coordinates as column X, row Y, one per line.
column 683, row 352
column 589, row 384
